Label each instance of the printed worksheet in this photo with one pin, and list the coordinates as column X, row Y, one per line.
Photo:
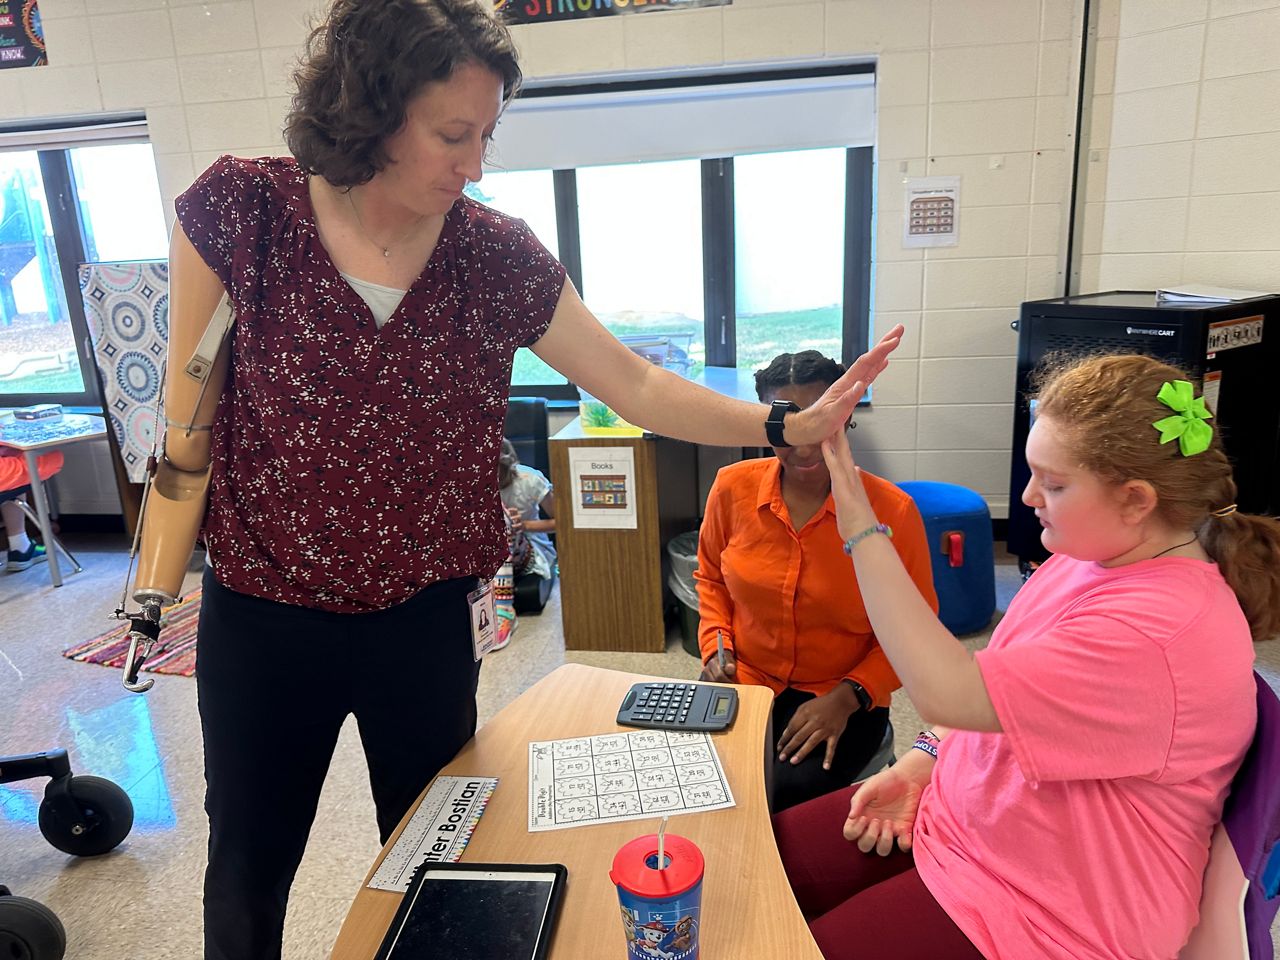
column 623, row 776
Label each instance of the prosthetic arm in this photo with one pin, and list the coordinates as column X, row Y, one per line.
column 177, row 487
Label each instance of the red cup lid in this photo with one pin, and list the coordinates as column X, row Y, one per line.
column 632, row 870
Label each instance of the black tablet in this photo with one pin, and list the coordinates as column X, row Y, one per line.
column 476, row 911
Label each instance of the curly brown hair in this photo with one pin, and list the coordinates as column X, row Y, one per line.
column 1104, row 407
column 367, row 60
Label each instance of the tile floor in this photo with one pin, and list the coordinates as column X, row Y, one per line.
column 142, row 902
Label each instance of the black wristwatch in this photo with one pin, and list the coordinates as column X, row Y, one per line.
column 864, row 699
column 773, row 423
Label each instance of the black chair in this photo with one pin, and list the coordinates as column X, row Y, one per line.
column 526, row 428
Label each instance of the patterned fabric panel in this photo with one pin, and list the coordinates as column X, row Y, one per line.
column 127, row 306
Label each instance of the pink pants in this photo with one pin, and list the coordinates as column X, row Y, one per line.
column 861, row 905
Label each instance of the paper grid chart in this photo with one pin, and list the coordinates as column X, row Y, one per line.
column 623, row 776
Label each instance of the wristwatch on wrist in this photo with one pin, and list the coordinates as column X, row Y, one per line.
column 864, row 699
column 773, row 423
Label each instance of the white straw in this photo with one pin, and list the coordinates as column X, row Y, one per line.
column 662, row 842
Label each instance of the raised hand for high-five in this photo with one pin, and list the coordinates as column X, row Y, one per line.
column 853, row 508
column 832, row 410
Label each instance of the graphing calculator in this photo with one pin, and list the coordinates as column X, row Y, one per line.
column 679, row 706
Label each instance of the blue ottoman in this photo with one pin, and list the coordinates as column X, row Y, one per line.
column 957, row 525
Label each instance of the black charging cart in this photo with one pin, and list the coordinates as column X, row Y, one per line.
column 1232, row 350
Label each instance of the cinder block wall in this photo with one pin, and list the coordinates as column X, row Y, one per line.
column 1181, row 182
column 979, row 88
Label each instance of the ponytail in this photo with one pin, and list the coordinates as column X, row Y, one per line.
column 1247, row 550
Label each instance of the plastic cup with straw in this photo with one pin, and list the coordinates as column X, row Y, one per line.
column 661, row 899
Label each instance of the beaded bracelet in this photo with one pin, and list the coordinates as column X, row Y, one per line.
column 857, row 538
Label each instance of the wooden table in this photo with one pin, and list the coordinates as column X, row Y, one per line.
column 35, row 436
column 747, row 905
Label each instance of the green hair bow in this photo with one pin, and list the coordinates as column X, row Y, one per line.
column 1187, row 425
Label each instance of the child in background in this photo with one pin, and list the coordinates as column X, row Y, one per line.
column 524, row 490
column 1062, row 804
column 23, row 551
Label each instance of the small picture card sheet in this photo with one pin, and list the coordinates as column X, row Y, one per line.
column 631, row 775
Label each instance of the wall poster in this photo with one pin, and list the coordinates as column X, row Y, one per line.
column 21, row 35
column 550, row 11
column 931, row 212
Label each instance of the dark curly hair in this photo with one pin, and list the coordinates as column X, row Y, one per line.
column 797, row 370
column 367, row 60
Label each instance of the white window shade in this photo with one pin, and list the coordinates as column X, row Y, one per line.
column 62, row 133
column 668, row 123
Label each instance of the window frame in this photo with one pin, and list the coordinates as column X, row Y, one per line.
column 52, row 139
column 569, row 243
column 719, row 255
column 68, row 242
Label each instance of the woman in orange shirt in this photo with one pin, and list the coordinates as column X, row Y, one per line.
column 775, row 586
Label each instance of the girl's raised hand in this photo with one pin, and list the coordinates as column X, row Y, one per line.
column 853, row 509
column 833, row 408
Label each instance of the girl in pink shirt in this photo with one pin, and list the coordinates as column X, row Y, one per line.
column 1063, row 802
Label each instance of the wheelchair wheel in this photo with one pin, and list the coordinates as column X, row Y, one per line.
column 29, row 930
column 107, row 818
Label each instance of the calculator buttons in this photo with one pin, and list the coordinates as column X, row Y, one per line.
column 676, row 706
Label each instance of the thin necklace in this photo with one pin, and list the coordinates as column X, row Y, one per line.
column 386, row 251
column 1175, row 547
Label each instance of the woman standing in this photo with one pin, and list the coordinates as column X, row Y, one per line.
column 352, row 499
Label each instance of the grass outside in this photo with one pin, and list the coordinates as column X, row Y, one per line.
column 30, row 348
column 761, row 337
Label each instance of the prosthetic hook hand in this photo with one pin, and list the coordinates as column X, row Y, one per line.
column 177, row 487
column 144, row 629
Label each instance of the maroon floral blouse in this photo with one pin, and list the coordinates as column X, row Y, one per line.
column 354, row 466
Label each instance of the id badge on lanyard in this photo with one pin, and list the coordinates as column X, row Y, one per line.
column 484, row 619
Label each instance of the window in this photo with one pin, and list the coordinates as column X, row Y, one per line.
column 789, row 254
column 529, row 195
column 736, row 259
column 37, row 342
column 641, row 229
column 63, row 207
column 119, row 200
column 710, row 208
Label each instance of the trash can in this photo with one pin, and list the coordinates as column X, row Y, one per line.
column 682, row 550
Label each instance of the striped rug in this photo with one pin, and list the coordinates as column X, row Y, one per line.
column 175, row 652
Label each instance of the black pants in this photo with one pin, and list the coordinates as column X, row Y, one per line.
column 796, row 783
column 275, row 684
